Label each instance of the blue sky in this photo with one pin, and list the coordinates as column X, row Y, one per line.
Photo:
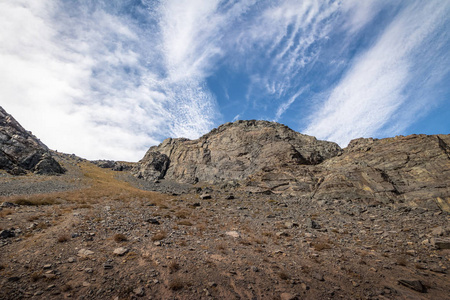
column 108, row 79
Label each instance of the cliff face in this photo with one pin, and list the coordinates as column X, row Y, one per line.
column 269, row 157
column 233, row 151
column 20, row 151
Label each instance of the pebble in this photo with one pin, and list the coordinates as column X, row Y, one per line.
column 85, row 253
column 120, row 251
column 234, row 234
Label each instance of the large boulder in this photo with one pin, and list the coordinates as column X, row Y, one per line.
column 21, row 151
column 233, row 151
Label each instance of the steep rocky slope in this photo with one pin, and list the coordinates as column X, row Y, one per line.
column 21, row 151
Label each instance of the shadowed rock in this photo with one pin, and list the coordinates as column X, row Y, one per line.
column 20, row 151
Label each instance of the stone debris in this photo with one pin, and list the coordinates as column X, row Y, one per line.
column 121, row 251
column 414, row 285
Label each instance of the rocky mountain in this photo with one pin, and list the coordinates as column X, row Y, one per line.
column 267, row 157
column 233, row 151
column 21, row 151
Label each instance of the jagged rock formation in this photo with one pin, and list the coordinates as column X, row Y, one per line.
column 271, row 158
column 20, row 150
column 114, row 165
column 233, row 151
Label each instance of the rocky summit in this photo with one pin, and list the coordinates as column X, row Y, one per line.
column 267, row 157
column 251, row 210
column 21, row 151
column 233, row 151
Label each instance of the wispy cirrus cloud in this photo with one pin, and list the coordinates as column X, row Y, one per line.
column 370, row 97
column 117, row 77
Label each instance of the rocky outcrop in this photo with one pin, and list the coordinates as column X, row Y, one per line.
column 413, row 169
column 21, row 151
column 233, row 151
column 271, row 158
column 114, row 165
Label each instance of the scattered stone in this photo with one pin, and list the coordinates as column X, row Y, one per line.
column 441, row 243
column 71, row 259
column 233, row 233
column 153, row 221
column 107, row 266
column 438, row 231
column 4, row 234
column 282, row 233
column 157, row 243
column 413, row 284
column 212, row 284
column 205, row 196
column 120, row 251
column 288, row 296
column 290, row 225
column 318, row 276
column 14, row 278
column 255, row 269
column 85, row 253
column 8, row 205
column 89, row 270
column 310, row 223
column 86, row 284
column 139, row 291
column 47, row 266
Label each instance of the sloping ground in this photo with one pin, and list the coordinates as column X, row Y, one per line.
column 231, row 246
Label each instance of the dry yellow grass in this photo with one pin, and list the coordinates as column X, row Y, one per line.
column 102, row 185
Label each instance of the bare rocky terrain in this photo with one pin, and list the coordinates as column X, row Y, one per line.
column 294, row 218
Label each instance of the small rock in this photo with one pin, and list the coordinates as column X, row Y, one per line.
column 89, row 270
column 205, row 196
column 310, row 223
column 318, row 276
column 438, row 231
column 71, row 259
column 47, row 266
column 157, row 243
column 153, row 221
column 85, row 253
column 290, row 225
column 255, row 269
column 233, row 233
column 441, row 243
column 281, row 233
column 107, row 266
column 413, row 284
column 86, row 284
column 139, row 291
column 8, row 204
column 4, row 234
column 120, row 251
column 212, row 284
column 288, row 296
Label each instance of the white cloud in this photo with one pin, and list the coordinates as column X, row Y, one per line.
column 92, row 83
column 367, row 98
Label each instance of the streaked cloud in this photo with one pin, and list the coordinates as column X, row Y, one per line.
column 120, row 76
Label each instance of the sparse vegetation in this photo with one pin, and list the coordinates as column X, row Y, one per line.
column 63, row 238
column 120, row 237
column 159, row 236
column 176, row 284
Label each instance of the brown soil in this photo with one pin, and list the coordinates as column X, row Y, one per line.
column 253, row 246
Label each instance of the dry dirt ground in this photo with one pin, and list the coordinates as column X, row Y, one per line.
column 89, row 235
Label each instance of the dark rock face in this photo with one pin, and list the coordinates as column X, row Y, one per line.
column 233, row 151
column 114, row 165
column 20, row 151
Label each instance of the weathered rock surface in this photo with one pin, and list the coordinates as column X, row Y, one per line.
column 21, row 151
column 233, row 151
column 271, row 158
